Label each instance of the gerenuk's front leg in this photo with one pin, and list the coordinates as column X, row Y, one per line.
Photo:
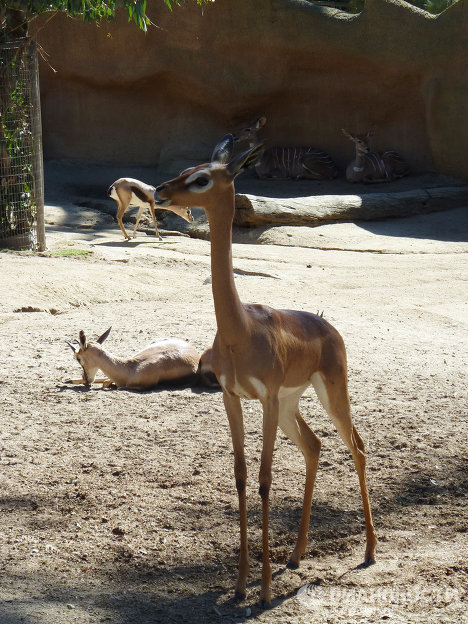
column 233, row 408
column 270, row 427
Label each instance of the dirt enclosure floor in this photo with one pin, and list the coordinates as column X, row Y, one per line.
column 120, row 506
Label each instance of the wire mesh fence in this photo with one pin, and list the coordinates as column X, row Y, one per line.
column 21, row 168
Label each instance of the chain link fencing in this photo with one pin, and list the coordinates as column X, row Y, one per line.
column 21, row 165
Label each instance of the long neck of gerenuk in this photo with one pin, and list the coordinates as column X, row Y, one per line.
column 231, row 317
column 112, row 366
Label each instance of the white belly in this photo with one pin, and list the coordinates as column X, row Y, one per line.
column 286, row 394
column 136, row 201
column 237, row 390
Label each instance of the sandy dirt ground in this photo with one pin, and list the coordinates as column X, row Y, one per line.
column 120, row 506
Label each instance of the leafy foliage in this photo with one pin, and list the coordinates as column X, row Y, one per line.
column 89, row 10
column 17, row 182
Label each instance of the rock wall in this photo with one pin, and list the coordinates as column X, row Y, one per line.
column 122, row 96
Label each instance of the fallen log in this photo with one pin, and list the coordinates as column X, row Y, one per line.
column 252, row 210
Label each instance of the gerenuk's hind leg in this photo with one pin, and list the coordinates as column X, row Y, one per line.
column 334, row 398
column 359, row 456
column 294, row 426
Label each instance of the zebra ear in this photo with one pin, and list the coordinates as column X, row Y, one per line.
column 247, row 159
column 347, row 134
column 223, row 151
column 101, row 339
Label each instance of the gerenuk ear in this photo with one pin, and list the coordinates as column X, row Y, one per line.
column 82, row 340
column 223, row 151
column 72, row 347
column 101, row 339
column 247, row 159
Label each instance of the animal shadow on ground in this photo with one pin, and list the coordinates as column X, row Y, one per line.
column 144, row 591
column 174, row 386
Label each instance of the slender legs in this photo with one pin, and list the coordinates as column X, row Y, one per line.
column 270, row 428
column 336, row 402
column 359, row 457
column 285, row 413
column 140, row 212
column 353, row 441
column 153, row 214
column 236, row 424
column 294, row 426
column 120, row 213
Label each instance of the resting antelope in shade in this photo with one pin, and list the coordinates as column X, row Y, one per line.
column 128, row 191
column 269, row 355
column 370, row 166
column 167, row 360
column 282, row 163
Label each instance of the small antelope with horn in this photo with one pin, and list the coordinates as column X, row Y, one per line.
column 370, row 167
column 167, row 360
column 128, row 191
column 269, row 355
column 283, row 163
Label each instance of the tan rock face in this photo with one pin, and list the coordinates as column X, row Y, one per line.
column 123, row 96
